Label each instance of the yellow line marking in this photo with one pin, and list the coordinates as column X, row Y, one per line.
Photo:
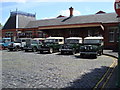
column 110, row 74
column 105, row 75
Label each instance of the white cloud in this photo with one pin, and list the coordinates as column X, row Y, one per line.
column 67, row 12
column 64, row 13
column 74, row 0
column 23, row 1
column 18, row 1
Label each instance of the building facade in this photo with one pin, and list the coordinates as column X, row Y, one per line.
column 25, row 25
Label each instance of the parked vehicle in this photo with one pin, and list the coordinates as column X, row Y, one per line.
column 92, row 46
column 33, row 44
column 18, row 44
column 4, row 42
column 51, row 44
column 71, row 45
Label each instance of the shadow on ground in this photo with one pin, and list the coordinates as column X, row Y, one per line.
column 89, row 80
column 85, row 57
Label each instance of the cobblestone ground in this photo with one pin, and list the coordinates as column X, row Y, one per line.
column 33, row 70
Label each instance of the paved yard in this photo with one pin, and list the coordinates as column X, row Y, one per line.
column 32, row 70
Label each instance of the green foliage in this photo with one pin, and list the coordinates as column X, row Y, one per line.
column 0, row 25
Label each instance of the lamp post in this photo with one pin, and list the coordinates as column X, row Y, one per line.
column 117, row 9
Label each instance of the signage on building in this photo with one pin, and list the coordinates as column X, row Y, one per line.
column 117, row 7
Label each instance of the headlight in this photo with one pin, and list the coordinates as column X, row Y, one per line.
column 9, row 44
column 91, row 47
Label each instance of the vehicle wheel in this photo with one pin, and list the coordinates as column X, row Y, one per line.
column 34, row 49
column 73, row 52
column 26, row 50
column 81, row 55
column 51, row 50
column 3, row 48
column 17, row 48
column 62, row 53
column 41, row 52
column 10, row 49
column 100, row 53
column 94, row 55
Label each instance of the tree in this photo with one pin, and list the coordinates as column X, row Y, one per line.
column 0, row 25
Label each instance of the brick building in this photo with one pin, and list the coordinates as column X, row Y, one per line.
column 22, row 25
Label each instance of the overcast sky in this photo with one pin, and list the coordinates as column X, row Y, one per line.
column 45, row 9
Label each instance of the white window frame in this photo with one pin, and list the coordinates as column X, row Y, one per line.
column 117, row 34
column 111, row 35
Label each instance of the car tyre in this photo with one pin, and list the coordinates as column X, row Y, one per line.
column 26, row 50
column 17, row 48
column 34, row 49
column 73, row 52
column 62, row 53
column 10, row 49
column 41, row 52
column 81, row 55
column 94, row 55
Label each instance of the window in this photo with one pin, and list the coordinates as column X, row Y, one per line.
column 8, row 34
column 94, row 33
column 28, row 34
column 73, row 32
column 60, row 40
column 117, row 35
column 111, row 35
column 56, row 40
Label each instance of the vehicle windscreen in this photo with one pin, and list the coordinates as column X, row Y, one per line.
column 71, row 41
column 34, row 42
column 6, row 40
column 92, row 41
column 24, row 40
column 51, row 41
column 18, row 41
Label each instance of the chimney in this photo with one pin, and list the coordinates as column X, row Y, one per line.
column 71, row 11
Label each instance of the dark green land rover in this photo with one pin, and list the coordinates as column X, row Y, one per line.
column 92, row 46
column 71, row 45
column 51, row 44
column 33, row 44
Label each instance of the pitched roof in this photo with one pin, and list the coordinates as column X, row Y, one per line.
column 23, row 20
column 97, row 18
column 11, row 23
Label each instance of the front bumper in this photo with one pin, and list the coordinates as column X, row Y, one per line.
column 66, row 50
column 43, row 49
column 9, row 47
column 88, row 53
column 27, row 48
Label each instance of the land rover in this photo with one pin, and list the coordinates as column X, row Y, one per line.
column 51, row 44
column 71, row 45
column 92, row 46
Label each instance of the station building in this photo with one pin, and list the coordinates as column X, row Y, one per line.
column 25, row 25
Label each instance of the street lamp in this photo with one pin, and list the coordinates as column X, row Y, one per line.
column 117, row 9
